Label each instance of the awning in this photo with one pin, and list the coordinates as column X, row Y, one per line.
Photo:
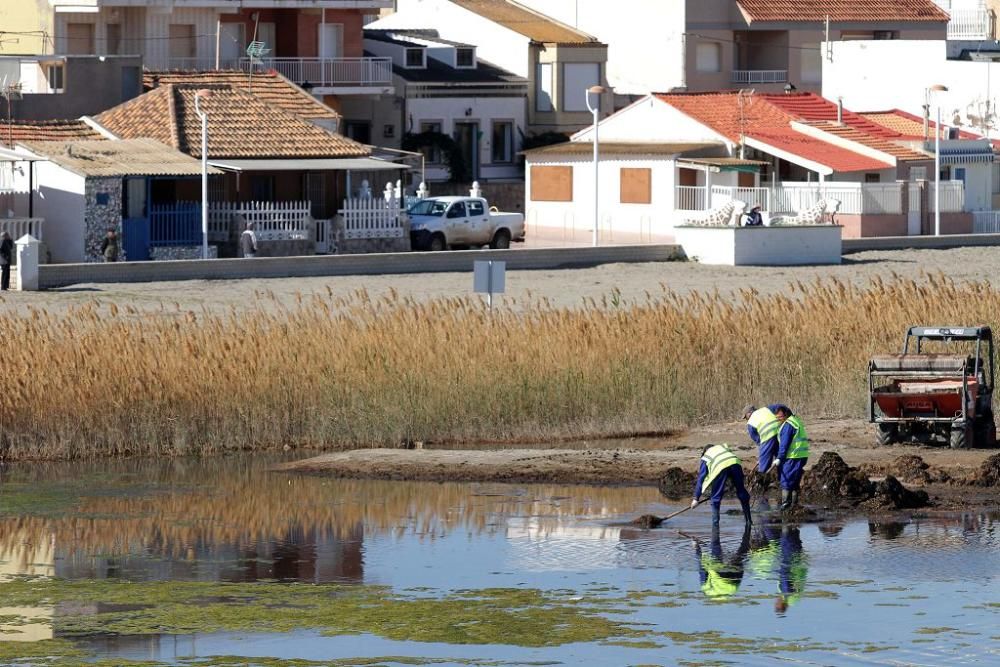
column 332, row 164
column 717, row 164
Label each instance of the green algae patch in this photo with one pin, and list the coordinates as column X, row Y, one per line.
column 519, row 617
column 715, row 641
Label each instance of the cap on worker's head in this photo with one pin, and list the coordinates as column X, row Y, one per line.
column 706, row 448
column 748, row 410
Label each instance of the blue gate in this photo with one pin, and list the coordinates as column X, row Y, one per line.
column 175, row 224
column 136, row 241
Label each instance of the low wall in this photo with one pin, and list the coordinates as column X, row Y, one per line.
column 954, row 223
column 920, row 242
column 865, row 226
column 168, row 253
column 505, row 196
column 362, row 246
column 762, row 246
column 61, row 275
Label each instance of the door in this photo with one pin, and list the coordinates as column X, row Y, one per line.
column 915, row 213
column 467, row 137
column 232, row 44
column 331, row 40
column 479, row 222
column 267, row 33
column 457, row 224
column 136, row 241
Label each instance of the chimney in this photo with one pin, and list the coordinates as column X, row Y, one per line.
column 840, row 111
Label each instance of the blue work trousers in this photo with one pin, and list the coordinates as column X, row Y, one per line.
column 766, row 453
column 790, row 473
column 734, row 475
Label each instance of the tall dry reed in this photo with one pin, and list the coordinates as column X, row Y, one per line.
column 324, row 373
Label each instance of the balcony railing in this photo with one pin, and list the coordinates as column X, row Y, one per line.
column 760, row 75
column 970, row 24
column 328, row 72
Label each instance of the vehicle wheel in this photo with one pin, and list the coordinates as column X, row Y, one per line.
column 437, row 243
column 501, row 240
column 960, row 436
column 886, row 434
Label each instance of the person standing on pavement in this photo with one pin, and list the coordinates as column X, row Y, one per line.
column 109, row 247
column 6, row 258
column 248, row 241
column 793, row 453
column 718, row 466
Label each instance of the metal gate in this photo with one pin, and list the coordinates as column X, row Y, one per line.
column 915, row 212
column 136, row 241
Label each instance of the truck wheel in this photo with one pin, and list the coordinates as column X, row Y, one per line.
column 960, row 436
column 501, row 240
column 437, row 243
column 886, row 434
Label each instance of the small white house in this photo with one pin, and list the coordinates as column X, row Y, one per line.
column 446, row 88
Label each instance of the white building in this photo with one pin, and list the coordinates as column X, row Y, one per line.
column 447, row 89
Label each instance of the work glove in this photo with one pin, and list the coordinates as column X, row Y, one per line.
column 694, row 502
column 774, row 464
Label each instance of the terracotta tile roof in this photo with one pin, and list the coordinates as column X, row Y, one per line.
column 912, row 128
column 45, row 130
column 239, row 125
column 766, row 119
column 128, row 157
column 859, row 11
column 534, row 25
column 621, row 148
column 269, row 87
column 887, row 146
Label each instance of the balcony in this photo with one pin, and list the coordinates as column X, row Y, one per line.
column 972, row 24
column 330, row 75
column 760, row 76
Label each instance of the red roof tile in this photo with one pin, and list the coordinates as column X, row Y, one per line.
column 887, row 146
column 46, row 130
column 239, row 125
column 859, row 11
column 817, row 150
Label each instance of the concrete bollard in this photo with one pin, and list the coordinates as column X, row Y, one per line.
column 28, row 248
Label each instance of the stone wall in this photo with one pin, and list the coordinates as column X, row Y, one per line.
column 102, row 211
column 178, row 252
column 346, row 246
column 508, row 197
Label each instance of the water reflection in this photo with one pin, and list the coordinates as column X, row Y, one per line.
column 720, row 574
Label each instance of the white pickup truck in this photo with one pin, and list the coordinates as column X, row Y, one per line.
column 438, row 223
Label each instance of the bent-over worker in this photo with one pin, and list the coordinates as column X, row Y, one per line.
column 720, row 576
column 763, row 426
column 793, row 453
column 719, row 465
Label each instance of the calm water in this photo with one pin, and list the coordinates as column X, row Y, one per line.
column 923, row 591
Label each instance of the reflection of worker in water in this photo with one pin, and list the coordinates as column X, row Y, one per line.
column 793, row 452
column 793, row 569
column 763, row 426
column 721, row 577
column 718, row 466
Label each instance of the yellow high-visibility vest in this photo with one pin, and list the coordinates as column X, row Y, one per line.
column 765, row 422
column 717, row 458
column 799, row 449
column 716, row 583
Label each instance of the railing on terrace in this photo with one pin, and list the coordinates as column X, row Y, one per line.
column 952, row 196
column 759, row 76
column 272, row 221
column 328, row 71
column 373, row 218
column 690, row 198
column 986, row 222
column 18, row 227
column 971, row 24
column 787, row 198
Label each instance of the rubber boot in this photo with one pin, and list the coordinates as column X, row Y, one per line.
column 746, row 512
column 715, row 515
column 794, row 499
column 786, row 500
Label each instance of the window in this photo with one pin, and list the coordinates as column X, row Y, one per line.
column 465, row 58
column 708, row 57
column 359, row 130
column 543, row 87
column 811, row 63
column 476, row 208
column 503, row 141
column 918, row 173
column 80, row 38
column 113, row 42
column 261, row 187
column 388, row 131
column 636, row 186
column 432, row 154
column 872, row 178
column 551, row 183
column 416, row 58
column 577, row 79
column 885, row 34
column 182, row 40
column 457, row 210
column 55, row 75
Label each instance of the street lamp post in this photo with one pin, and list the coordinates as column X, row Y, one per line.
column 937, row 88
column 200, row 95
column 595, row 109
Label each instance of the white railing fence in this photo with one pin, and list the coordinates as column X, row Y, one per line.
column 952, row 197
column 373, row 218
column 752, row 196
column 18, row 227
column 760, row 76
column 986, row 222
column 328, row 71
column 690, row 198
column 970, row 24
column 790, row 198
column 272, row 221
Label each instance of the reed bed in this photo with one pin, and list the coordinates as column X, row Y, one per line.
column 328, row 373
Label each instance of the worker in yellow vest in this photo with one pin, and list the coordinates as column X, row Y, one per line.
column 720, row 576
column 763, row 426
column 718, row 466
column 793, row 570
column 793, row 453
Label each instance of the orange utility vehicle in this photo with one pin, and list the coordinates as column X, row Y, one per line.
column 924, row 394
